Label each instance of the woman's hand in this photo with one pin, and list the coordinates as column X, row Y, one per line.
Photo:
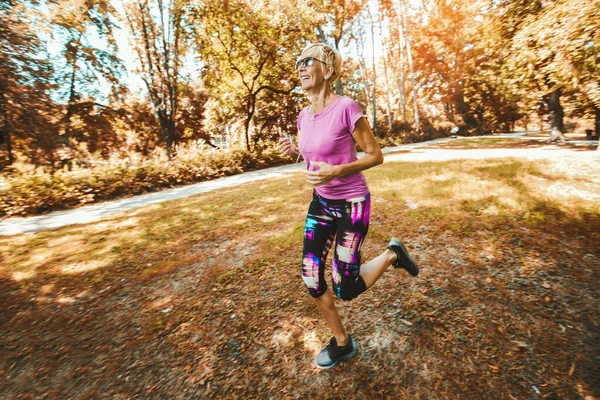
column 324, row 173
column 285, row 145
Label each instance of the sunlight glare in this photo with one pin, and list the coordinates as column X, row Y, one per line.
column 311, row 342
column 66, row 300
column 160, row 303
column 107, row 225
column 270, row 218
column 22, row 275
column 79, row 267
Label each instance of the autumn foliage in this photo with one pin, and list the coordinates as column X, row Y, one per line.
column 84, row 81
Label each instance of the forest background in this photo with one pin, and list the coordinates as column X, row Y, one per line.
column 100, row 99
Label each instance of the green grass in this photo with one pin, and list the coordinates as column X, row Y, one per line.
column 202, row 296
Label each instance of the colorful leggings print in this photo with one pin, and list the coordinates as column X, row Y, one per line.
column 348, row 222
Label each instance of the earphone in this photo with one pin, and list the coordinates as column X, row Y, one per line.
column 297, row 159
column 299, row 151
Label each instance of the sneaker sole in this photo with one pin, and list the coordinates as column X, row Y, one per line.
column 412, row 261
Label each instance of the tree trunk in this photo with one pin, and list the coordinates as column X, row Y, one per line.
column 556, row 111
column 365, row 76
column 449, row 111
column 361, row 45
column 414, row 87
column 374, row 87
column 402, row 77
column 339, row 88
column 171, row 133
column 11, row 157
column 390, row 115
column 247, row 131
column 412, row 78
column 5, row 128
column 167, row 129
column 321, row 35
column 70, row 105
column 250, row 110
column 72, row 96
column 555, row 118
column 462, row 107
column 165, row 135
column 597, row 109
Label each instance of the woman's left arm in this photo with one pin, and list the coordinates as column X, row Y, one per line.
column 373, row 156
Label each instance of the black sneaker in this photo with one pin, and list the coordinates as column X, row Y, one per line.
column 333, row 354
column 403, row 260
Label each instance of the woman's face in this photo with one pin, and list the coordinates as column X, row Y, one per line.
column 312, row 78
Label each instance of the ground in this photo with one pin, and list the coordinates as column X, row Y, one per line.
column 202, row 297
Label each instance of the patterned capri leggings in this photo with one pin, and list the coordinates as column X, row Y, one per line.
column 346, row 221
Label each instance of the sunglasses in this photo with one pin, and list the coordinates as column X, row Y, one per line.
column 307, row 62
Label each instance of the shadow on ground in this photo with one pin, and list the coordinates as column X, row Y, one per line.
column 506, row 306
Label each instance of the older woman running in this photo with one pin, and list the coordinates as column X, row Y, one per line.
column 330, row 127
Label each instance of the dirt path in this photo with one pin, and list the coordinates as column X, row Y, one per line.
column 423, row 151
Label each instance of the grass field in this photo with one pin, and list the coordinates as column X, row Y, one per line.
column 202, row 297
column 534, row 142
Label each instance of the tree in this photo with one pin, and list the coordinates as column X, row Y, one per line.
column 367, row 80
column 158, row 30
column 460, row 62
column 396, row 15
column 25, row 84
column 248, row 51
column 493, row 94
column 442, row 50
column 191, row 115
column 335, row 19
column 93, row 125
column 556, row 45
column 78, row 25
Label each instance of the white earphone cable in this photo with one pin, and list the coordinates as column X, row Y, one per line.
column 300, row 151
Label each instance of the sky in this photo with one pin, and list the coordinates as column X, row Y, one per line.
column 128, row 56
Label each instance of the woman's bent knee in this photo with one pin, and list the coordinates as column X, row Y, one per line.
column 350, row 290
column 347, row 295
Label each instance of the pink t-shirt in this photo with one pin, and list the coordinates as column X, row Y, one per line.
column 327, row 136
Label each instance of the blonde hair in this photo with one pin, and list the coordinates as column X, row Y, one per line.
column 330, row 56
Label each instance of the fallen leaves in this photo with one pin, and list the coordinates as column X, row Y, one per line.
column 500, row 307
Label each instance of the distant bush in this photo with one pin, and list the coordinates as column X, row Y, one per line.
column 391, row 140
column 37, row 192
column 444, row 127
column 401, row 127
column 25, row 192
column 403, row 132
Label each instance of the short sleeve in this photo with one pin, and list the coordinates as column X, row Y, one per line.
column 352, row 113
